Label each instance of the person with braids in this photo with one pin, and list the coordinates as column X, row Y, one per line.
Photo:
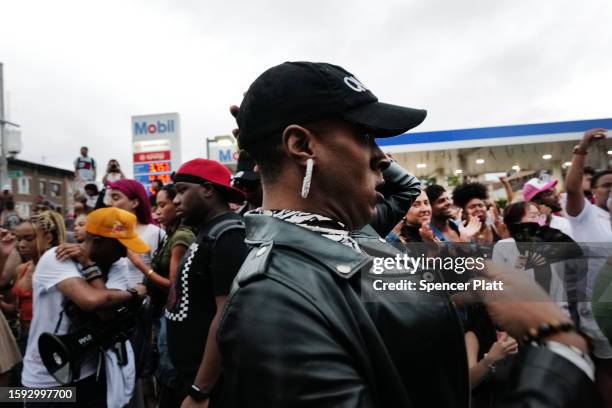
column 130, row 195
column 18, row 301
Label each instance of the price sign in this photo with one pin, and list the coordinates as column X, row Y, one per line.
column 159, row 167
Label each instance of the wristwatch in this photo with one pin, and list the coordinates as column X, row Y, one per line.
column 197, row 393
column 135, row 295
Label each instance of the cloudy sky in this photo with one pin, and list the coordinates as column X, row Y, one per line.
column 76, row 71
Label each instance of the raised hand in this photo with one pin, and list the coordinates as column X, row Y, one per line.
column 469, row 228
column 7, row 242
column 427, row 233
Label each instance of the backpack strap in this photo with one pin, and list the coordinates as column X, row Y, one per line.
column 207, row 241
column 221, row 228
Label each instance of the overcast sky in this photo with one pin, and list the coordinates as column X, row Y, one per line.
column 76, row 71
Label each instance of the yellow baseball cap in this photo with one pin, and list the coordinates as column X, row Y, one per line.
column 115, row 223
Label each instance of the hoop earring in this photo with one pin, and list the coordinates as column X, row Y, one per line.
column 307, row 178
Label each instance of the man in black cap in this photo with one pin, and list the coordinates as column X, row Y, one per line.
column 247, row 180
column 303, row 325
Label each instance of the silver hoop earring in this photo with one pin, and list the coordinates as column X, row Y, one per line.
column 307, row 178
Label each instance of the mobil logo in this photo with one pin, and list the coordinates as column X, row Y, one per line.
column 143, row 127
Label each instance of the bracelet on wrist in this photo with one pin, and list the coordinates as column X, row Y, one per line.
column 491, row 366
column 580, row 150
column 197, row 393
column 91, row 272
column 150, row 272
column 538, row 335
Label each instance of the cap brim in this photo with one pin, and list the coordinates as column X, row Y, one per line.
column 385, row 120
column 246, row 175
column 233, row 195
column 134, row 244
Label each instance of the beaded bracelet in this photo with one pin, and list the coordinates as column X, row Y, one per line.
column 538, row 334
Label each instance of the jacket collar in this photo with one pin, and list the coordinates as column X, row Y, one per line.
column 339, row 258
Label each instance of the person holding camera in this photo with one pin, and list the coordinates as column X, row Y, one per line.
column 80, row 275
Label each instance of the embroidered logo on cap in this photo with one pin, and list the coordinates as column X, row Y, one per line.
column 354, row 84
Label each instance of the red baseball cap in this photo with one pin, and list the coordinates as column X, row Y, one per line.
column 200, row 171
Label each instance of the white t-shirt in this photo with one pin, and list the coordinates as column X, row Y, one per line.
column 92, row 201
column 152, row 235
column 591, row 229
column 591, row 225
column 505, row 253
column 47, row 307
column 562, row 224
column 85, row 167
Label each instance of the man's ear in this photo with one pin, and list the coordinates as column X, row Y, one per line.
column 299, row 143
column 207, row 190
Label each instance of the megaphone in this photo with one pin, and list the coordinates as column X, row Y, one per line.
column 62, row 355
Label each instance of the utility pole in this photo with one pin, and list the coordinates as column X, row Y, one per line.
column 4, row 176
column 3, row 162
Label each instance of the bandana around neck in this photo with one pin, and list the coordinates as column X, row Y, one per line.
column 330, row 229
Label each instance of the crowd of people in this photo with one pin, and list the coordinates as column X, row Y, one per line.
column 254, row 289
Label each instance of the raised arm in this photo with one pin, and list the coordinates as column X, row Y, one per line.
column 400, row 190
column 573, row 180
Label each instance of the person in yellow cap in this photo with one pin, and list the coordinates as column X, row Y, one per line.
column 82, row 274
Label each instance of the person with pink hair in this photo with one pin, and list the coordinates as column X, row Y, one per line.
column 130, row 195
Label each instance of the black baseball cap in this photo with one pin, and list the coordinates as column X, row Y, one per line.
column 245, row 168
column 305, row 92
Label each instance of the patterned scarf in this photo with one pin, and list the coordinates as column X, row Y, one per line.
column 330, row 229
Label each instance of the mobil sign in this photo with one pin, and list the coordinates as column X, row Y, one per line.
column 143, row 127
column 156, row 146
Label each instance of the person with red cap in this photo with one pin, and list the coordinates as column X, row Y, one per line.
column 204, row 278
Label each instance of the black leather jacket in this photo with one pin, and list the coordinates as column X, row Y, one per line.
column 303, row 327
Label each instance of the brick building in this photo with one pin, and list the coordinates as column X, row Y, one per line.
column 30, row 180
